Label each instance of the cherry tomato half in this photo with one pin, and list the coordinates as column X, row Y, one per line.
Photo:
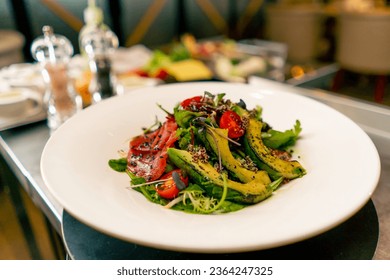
column 193, row 101
column 231, row 121
column 169, row 189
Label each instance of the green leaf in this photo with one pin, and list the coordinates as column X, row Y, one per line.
column 297, row 127
column 209, row 94
column 258, row 111
column 185, row 137
column 219, row 98
column 224, row 206
column 119, row 165
column 158, row 60
column 228, row 206
column 134, row 179
column 150, row 193
column 183, row 118
column 194, row 188
column 281, row 140
column 179, row 52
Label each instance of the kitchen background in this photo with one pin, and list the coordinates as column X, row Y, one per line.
column 148, row 22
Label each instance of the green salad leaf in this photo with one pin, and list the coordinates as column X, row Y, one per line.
column 184, row 117
column 202, row 167
column 282, row 140
column 119, row 165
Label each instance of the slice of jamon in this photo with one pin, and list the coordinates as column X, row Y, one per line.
column 147, row 156
column 142, row 143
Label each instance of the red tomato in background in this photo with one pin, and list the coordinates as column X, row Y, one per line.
column 140, row 72
column 161, row 74
column 193, row 101
column 169, row 189
column 231, row 121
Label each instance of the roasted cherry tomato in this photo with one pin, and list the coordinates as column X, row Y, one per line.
column 193, row 101
column 168, row 189
column 231, row 121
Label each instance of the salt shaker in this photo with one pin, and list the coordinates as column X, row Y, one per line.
column 99, row 44
column 53, row 52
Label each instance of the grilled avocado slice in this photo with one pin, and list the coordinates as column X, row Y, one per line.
column 204, row 174
column 262, row 156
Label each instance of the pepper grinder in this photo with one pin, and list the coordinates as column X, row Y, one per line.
column 53, row 52
column 99, row 44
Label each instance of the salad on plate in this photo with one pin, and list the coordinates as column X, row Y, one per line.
column 210, row 155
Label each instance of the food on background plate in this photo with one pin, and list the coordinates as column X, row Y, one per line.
column 189, row 70
column 206, row 49
column 238, row 70
column 191, row 59
column 210, row 155
column 226, row 58
column 177, row 66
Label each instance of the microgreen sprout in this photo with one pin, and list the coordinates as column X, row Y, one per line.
column 156, row 123
column 148, row 183
column 166, row 111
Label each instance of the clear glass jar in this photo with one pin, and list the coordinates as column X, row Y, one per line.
column 53, row 52
column 99, row 44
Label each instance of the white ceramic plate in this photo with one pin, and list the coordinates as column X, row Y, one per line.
column 20, row 106
column 23, row 75
column 342, row 163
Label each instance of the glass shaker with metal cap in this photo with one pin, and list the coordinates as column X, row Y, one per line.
column 99, row 44
column 53, row 52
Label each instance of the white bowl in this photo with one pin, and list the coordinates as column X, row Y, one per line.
column 15, row 102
